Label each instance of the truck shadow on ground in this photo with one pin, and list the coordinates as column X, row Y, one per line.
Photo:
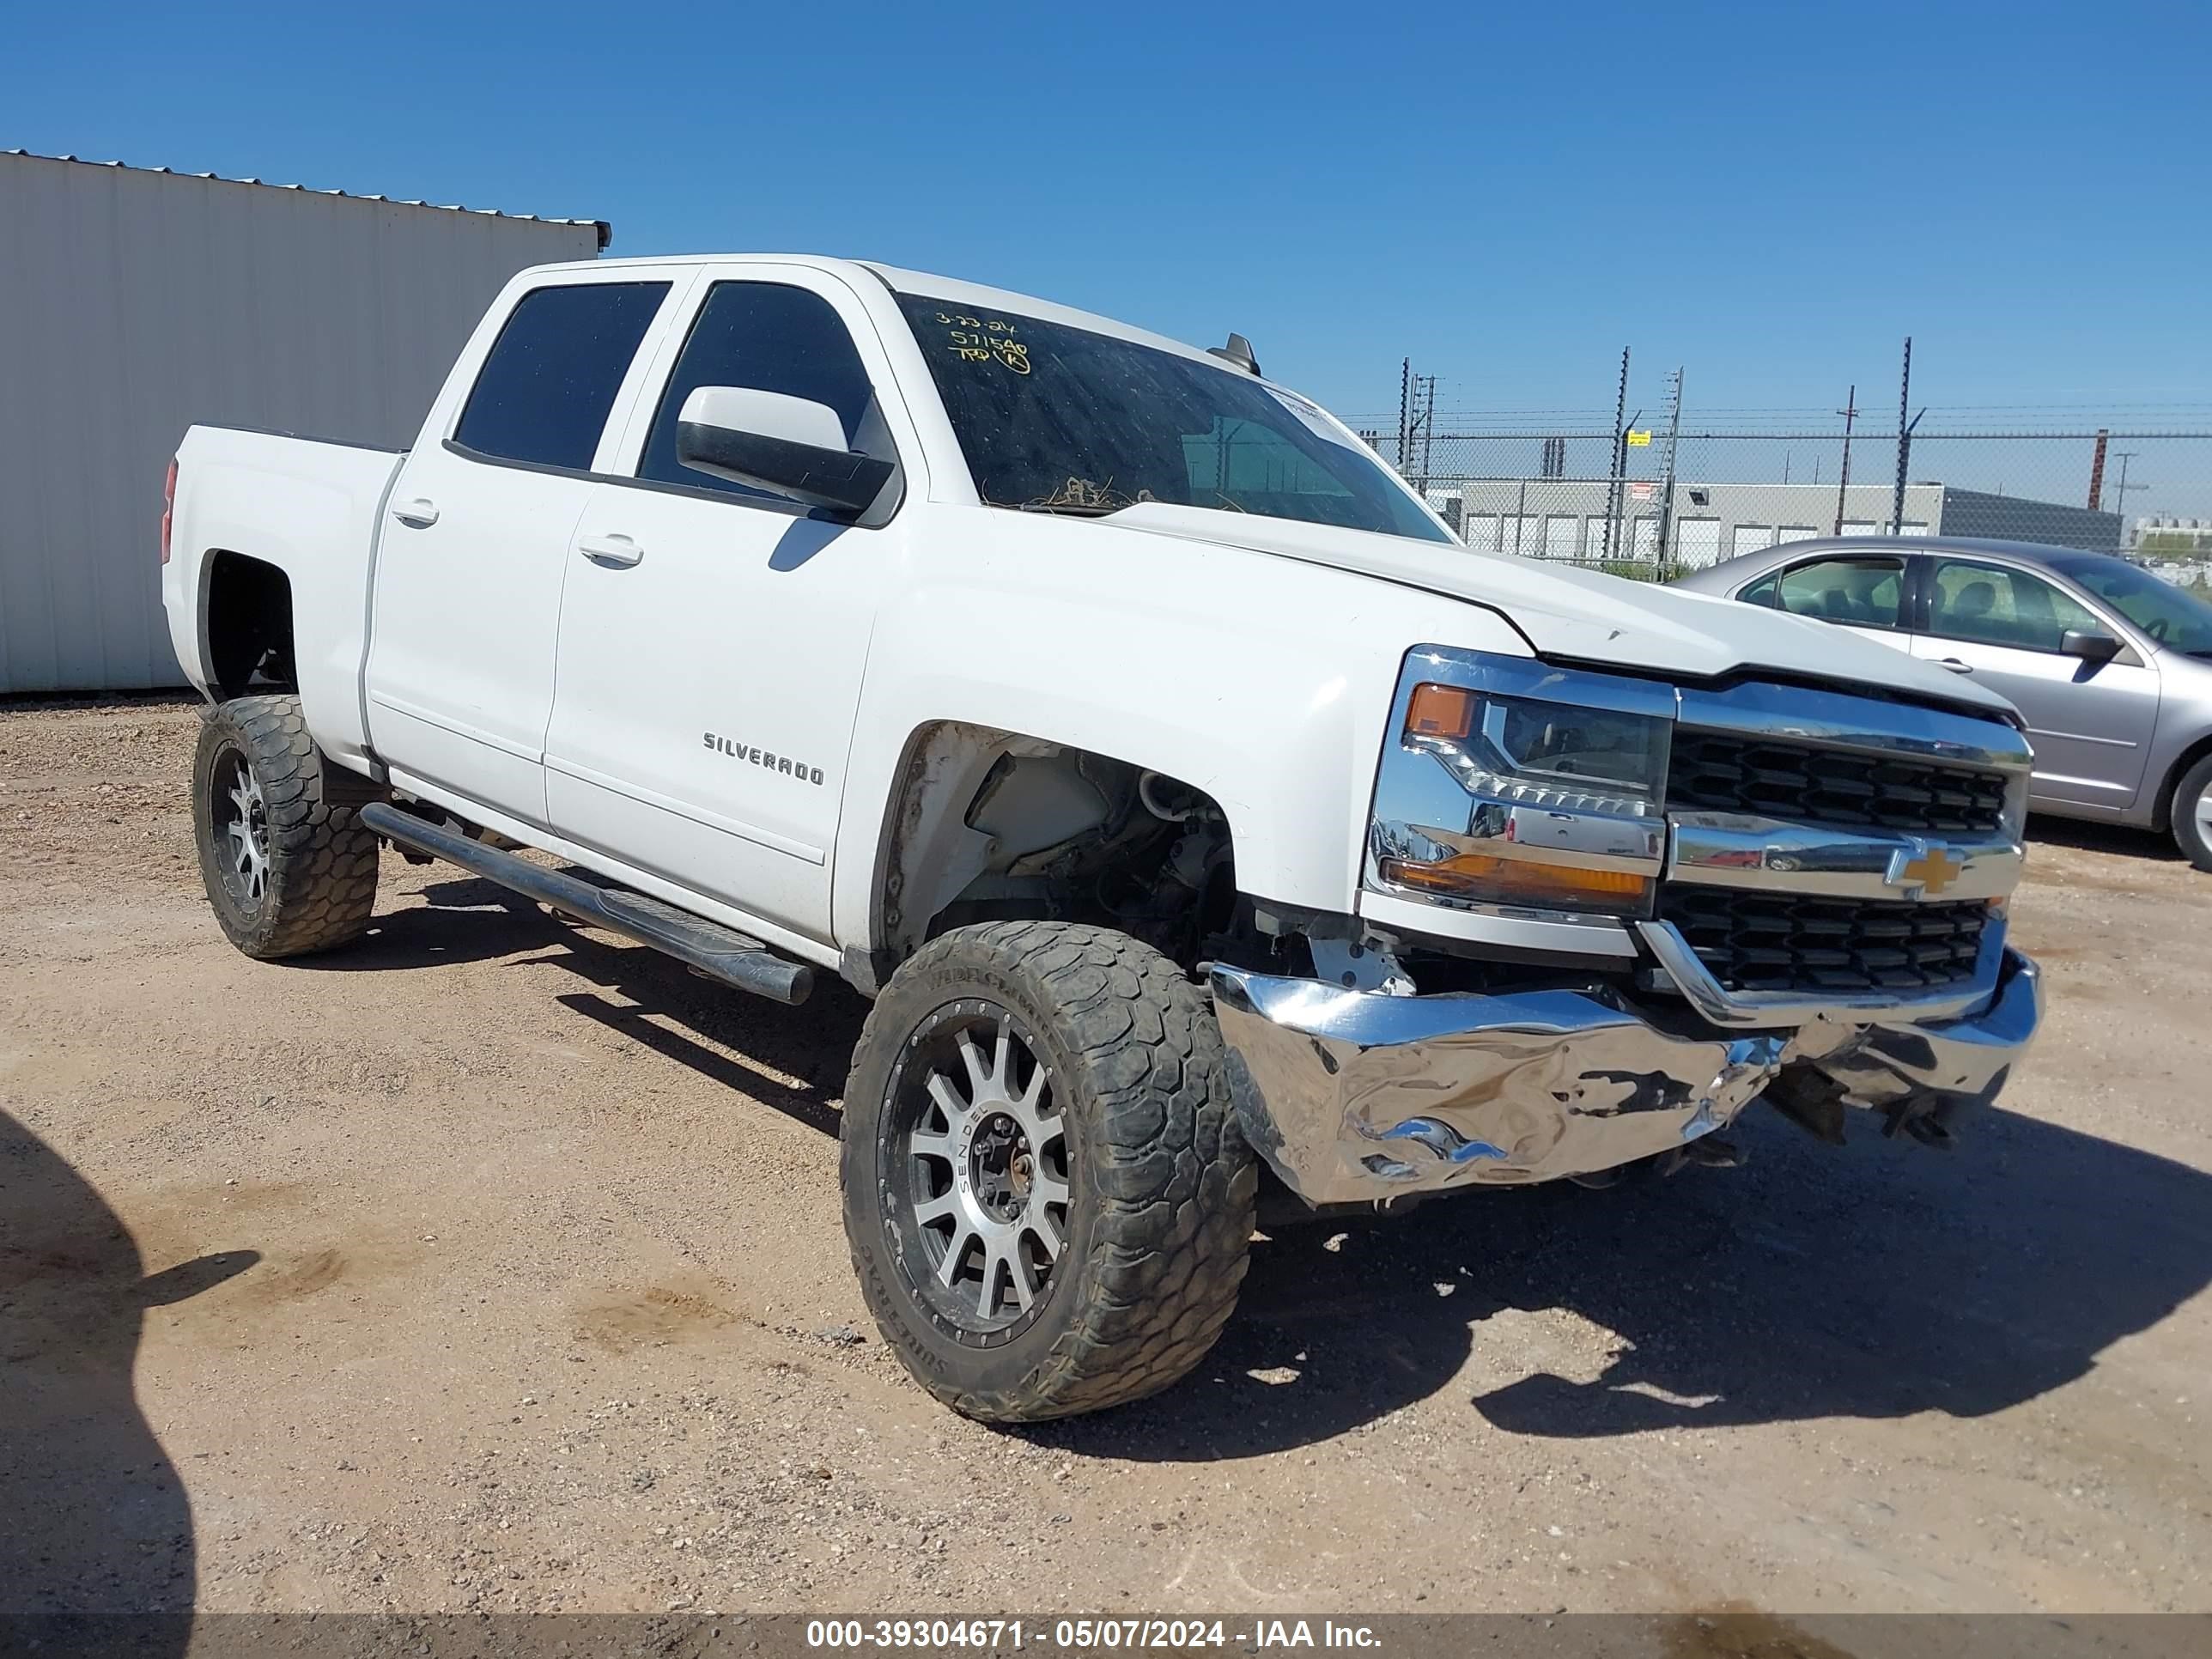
column 790, row 1060
column 93, row 1519
column 1875, row 1281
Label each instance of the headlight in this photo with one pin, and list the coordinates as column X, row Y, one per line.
column 1506, row 783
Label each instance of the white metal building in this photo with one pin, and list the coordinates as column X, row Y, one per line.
column 134, row 302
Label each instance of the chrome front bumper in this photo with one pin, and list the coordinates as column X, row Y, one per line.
column 1357, row 1096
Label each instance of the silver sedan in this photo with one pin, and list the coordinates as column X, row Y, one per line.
column 2111, row 667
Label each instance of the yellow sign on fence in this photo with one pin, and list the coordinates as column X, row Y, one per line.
column 1639, row 440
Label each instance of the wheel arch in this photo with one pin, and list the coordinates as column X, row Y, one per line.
column 245, row 624
column 2170, row 783
column 2162, row 808
column 927, row 854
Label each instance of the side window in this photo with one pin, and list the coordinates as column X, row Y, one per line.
column 549, row 379
column 770, row 337
column 1762, row 591
column 1989, row 604
column 1865, row 592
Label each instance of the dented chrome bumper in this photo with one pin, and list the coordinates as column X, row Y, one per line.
column 1355, row 1097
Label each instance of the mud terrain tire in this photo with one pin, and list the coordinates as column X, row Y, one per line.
column 286, row 873
column 1155, row 1222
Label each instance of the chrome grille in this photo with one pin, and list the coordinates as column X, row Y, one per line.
column 1729, row 772
column 1765, row 941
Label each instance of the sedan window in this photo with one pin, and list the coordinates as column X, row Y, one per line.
column 1991, row 605
column 1862, row 593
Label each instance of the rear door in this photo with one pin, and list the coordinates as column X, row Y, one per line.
column 470, row 560
column 713, row 637
column 2090, row 723
column 1864, row 592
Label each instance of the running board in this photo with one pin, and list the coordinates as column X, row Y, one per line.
column 720, row 953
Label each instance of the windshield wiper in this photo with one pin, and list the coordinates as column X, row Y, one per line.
column 1071, row 509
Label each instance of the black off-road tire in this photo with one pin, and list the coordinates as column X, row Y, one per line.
column 1161, row 1185
column 2192, row 832
column 318, row 885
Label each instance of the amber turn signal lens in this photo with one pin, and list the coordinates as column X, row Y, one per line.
column 1440, row 711
column 1476, row 875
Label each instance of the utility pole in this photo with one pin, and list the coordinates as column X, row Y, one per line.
column 2097, row 467
column 1849, row 411
column 1619, row 453
column 2120, row 489
column 1667, row 469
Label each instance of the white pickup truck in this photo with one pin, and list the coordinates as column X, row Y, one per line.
column 1193, row 805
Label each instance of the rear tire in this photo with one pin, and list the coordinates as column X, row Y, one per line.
column 286, row 872
column 1074, row 1234
column 2192, row 814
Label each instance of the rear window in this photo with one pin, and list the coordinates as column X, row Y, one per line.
column 549, row 379
column 1864, row 593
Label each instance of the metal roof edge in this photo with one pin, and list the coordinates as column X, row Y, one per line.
column 604, row 229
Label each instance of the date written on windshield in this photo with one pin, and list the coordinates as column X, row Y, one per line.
column 984, row 340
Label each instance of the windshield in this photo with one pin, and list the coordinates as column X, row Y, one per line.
column 1059, row 419
column 2176, row 618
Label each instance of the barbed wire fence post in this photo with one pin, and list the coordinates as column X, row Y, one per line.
column 1665, row 548
column 1618, row 459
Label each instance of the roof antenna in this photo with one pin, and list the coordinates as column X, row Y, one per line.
column 1237, row 351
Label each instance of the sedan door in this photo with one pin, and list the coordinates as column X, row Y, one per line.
column 2090, row 723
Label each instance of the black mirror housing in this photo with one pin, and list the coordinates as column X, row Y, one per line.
column 842, row 480
column 2089, row 644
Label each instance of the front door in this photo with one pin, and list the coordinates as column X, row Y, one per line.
column 713, row 637
column 475, row 546
column 2089, row 723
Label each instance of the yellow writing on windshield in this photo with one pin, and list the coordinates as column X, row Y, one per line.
column 984, row 340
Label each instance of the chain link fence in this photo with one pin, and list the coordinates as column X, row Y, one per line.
column 1643, row 504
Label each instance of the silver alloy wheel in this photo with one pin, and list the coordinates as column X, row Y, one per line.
column 994, row 1158
column 241, row 821
column 2204, row 815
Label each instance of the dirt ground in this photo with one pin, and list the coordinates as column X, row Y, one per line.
column 493, row 1264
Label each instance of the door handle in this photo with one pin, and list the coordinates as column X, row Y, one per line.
column 616, row 552
column 418, row 514
column 1956, row 665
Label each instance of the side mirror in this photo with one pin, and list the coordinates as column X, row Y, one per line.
column 787, row 445
column 2090, row 644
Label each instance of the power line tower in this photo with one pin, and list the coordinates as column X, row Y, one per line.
column 1424, row 404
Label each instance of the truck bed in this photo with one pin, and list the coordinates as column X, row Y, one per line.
column 306, row 507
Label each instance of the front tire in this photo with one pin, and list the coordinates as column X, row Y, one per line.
column 1047, row 1202
column 2192, row 814
column 286, row 872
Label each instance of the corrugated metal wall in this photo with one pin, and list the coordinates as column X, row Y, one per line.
column 135, row 303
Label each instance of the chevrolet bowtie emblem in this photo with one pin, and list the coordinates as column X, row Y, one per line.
column 1931, row 870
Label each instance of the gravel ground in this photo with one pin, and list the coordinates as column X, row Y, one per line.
column 496, row 1264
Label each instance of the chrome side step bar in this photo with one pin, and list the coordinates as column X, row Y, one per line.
column 720, row 953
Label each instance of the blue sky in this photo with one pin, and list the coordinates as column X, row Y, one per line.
column 1771, row 195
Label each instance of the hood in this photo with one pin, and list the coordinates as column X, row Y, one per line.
column 1583, row 615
